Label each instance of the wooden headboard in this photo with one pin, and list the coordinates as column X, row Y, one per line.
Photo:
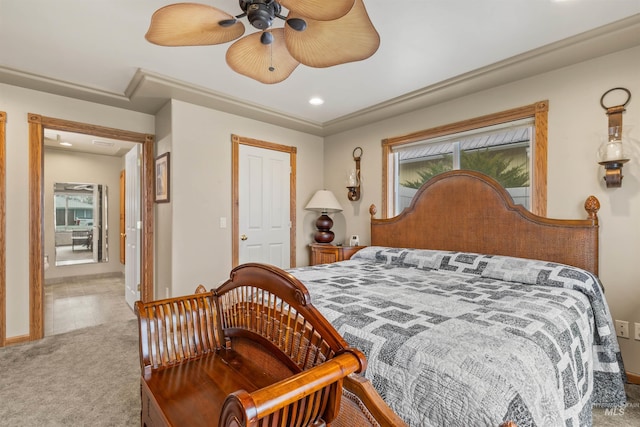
column 468, row 211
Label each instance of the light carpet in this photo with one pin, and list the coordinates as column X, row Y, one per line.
column 86, row 377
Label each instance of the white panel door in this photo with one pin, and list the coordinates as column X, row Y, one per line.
column 132, row 226
column 100, row 228
column 264, row 200
column 97, row 216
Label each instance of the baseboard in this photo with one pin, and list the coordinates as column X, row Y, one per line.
column 633, row 378
column 77, row 279
column 16, row 340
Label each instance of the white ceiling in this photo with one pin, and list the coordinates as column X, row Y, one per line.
column 54, row 139
column 96, row 50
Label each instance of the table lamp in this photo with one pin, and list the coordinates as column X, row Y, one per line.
column 324, row 201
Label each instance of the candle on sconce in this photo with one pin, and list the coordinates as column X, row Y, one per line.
column 352, row 179
column 613, row 151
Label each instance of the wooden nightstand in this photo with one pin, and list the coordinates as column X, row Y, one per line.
column 326, row 254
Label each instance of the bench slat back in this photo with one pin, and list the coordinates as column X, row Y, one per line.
column 271, row 307
column 177, row 329
column 264, row 317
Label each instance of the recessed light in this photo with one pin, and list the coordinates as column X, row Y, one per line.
column 316, row 101
column 66, row 144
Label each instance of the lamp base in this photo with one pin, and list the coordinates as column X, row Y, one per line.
column 324, row 233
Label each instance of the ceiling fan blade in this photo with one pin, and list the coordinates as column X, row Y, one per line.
column 266, row 63
column 320, row 10
column 327, row 43
column 192, row 24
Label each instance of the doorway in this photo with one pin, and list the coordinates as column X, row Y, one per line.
column 237, row 141
column 37, row 125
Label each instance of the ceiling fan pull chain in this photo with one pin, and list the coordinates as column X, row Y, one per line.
column 271, row 68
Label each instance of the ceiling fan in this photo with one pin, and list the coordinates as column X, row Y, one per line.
column 317, row 33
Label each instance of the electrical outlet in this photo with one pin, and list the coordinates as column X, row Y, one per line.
column 637, row 330
column 622, row 329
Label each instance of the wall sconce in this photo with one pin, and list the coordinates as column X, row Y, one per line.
column 353, row 181
column 611, row 153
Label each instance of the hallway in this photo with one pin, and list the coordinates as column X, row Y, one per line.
column 77, row 304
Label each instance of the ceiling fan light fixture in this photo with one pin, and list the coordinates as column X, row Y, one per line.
column 297, row 24
column 317, row 33
column 266, row 37
column 227, row 22
column 267, row 64
column 260, row 13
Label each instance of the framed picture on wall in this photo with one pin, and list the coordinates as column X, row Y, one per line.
column 162, row 178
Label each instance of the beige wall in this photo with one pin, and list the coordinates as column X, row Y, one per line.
column 163, row 212
column 67, row 166
column 17, row 103
column 576, row 123
column 201, row 191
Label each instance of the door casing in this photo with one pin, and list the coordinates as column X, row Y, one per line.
column 3, row 210
column 122, row 216
column 37, row 124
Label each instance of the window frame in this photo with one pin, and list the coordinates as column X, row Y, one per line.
column 538, row 111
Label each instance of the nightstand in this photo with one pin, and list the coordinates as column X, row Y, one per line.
column 326, row 253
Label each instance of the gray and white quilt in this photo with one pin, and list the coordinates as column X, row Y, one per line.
column 466, row 339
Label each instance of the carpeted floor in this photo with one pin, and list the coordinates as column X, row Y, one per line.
column 87, row 377
column 91, row 377
column 628, row 416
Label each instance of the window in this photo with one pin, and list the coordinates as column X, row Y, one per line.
column 73, row 210
column 510, row 146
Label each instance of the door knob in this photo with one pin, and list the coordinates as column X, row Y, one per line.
column 243, row 237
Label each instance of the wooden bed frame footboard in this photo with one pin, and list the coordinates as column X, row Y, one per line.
column 468, row 211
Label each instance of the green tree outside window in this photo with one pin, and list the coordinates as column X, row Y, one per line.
column 492, row 163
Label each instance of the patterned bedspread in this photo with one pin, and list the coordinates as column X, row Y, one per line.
column 468, row 339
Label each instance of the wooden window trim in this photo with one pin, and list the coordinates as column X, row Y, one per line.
column 538, row 111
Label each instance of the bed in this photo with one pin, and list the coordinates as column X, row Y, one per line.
column 473, row 311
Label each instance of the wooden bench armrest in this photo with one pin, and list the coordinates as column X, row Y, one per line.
column 308, row 392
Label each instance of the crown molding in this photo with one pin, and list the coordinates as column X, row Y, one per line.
column 41, row 83
column 152, row 90
column 608, row 39
column 147, row 91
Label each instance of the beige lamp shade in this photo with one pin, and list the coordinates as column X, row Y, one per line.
column 324, row 201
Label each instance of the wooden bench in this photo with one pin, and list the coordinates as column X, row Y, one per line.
column 82, row 239
column 253, row 352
